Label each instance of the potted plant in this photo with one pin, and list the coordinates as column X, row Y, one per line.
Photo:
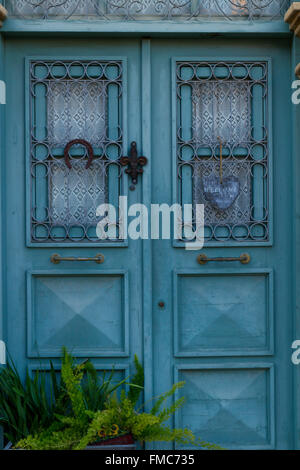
column 81, row 420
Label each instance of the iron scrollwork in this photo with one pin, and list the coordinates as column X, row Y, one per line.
column 227, row 103
column 134, row 162
column 75, row 150
column 128, row 10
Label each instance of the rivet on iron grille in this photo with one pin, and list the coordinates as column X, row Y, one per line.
column 225, row 103
column 74, row 100
column 148, row 9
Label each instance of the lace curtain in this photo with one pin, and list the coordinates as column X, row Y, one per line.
column 221, row 109
column 76, row 110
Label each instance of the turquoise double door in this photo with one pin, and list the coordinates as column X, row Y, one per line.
column 212, row 116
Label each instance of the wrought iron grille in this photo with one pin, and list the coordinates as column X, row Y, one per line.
column 69, row 101
column 222, row 147
column 148, row 9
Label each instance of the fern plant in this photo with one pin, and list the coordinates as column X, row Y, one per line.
column 84, row 426
column 144, row 427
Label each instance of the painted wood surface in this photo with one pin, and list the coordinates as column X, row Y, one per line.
column 227, row 330
column 70, row 303
column 202, row 301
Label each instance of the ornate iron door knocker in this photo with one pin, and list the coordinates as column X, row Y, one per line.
column 134, row 163
column 86, row 144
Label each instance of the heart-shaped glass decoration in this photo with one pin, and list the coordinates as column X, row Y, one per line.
column 221, row 195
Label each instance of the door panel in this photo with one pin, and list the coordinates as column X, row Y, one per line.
column 66, row 307
column 232, row 401
column 216, row 329
column 69, row 89
column 223, row 313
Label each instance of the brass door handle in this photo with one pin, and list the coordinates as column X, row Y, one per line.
column 244, row 258
column 56, row 259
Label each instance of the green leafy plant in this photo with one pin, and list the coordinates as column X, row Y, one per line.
column 98, row 388
column 137, row 382
column 143, row 426
column 83, row 426
column 30, row 407
column 26, row 408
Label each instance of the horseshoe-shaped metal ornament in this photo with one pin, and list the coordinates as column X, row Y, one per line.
column 83, row 142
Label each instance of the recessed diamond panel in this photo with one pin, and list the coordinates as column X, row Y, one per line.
column 87, row 314
column 223, row 314
column 229, row 407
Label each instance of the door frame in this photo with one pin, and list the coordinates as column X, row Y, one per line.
column 295, row 268
column 16, row 27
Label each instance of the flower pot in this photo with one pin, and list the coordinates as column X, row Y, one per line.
column 125, row 442
column 9, row 446
column 118, row 443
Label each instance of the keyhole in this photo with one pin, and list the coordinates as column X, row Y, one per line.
column 161, row 304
